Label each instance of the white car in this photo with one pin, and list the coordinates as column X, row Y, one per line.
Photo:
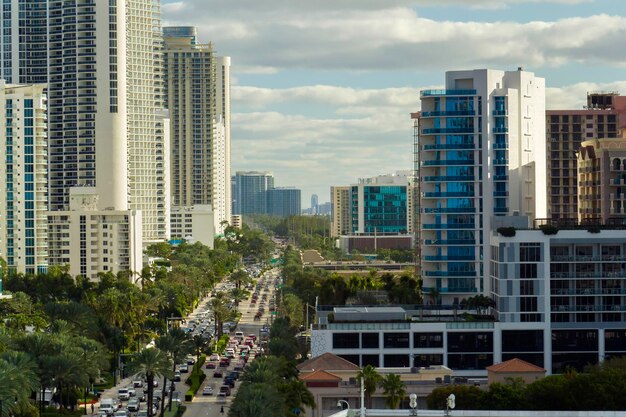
column 121, row 413
column 123, row 394
column 207, row 390
column 183, row 368
column 133, row 404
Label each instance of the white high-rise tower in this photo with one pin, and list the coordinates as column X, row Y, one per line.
column 481, row 154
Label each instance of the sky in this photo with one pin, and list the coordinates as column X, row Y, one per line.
column 322, row 90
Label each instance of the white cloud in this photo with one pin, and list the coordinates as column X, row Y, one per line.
column 395, row 37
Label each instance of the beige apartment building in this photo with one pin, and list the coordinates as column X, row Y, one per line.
column 602, row 179
column 340, row 206
column 602, row 117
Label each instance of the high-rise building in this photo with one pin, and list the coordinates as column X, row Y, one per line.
column 284, row 201
column 314, row 203
column 251, row 191
column 102, row 62
column 24, row 203
column 341, row 221
column 379, row 205
column 602, row 117
column 482, row 154
column 602, row 180
column 197, row 94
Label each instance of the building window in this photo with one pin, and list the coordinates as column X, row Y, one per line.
column 427, row 340
column 396, row 340
column 369, row 340
column 345, row 340
column 373, row 360
column 470, row 342
column 396, row 361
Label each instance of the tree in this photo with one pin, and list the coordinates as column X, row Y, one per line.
column 294, row 309
column 370, row 378
column 394, row 390
column 296, row 395
column 467, row 397
column 256, row 400
column 177, row 345
column 149, row 364
column 238, row 295
column 18, row 379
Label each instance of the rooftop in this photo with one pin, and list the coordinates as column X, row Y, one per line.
column 327, row 362
column 514, row 365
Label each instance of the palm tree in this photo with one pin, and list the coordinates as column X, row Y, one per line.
column 149, row 364
column 176, row 344
column 238, row 294
column 18, row 379
column 297, row 395
column 394, row 390
column 370, row 378
column 239, row 278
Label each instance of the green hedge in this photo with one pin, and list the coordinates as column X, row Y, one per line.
column 181, row 410
column 196, row 378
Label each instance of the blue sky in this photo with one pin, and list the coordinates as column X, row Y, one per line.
column 322, row 90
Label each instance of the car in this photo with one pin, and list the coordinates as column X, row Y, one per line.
column 190, row 360
column 142, row 413
column 224, row 362
column 133, row 404
column 211, row 365
column 214, row 357
column 131, row 391
column 234, row 375
column 123, row 394
column 138, row 383
column 121, row 413
column 218, row 374
column 225, row 389
column 229, row 381
column 221, row 397
column 177, row 376
column 207, row 390
column 183, row 368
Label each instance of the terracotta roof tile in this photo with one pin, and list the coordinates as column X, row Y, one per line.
column 327, row 361
column 514, row 365
column 320, row 376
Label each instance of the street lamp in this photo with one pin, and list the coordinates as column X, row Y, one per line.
column 172, row 388
column 413, row 403
column 450, row 403
column 340, row 404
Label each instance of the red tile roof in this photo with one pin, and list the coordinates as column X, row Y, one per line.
column 320, row 376
column 514, row 365
column 327, row 361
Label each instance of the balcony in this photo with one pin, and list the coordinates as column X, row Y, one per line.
column 430, row 93
column 448, row 113
column 450, row 242
column 435, row 226
column 500, row 146
column 447, row 130
column 449, row 258
column 444, row 178
column 450, row 210
column 448, row 162
column 500, row 177
column 500, row 130
column 498, row 113
column 500, row 209
column 500, row 161
column 450, row 273
column 448, row 194
column 500, row 193
column 449, row 146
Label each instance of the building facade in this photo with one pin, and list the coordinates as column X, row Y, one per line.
column 24, row 203
column 602, row 179
column 380, row 205
column 197, row 93
column 481, row 154
column 194, row 224
column 602, row 117
column 341, row 220
column 284, row 202
column 251, row 192
column 91, row 240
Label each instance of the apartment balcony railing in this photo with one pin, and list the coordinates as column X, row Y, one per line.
column 448, row 113
column 449, row 273
column 447, row 130
column 450, row 242
column 448, row 194
column 586, row 259
column 449, row 226
column 444, row 210
column 444, row 178
column 449, row 146
column 427, row 93
column 448, row 162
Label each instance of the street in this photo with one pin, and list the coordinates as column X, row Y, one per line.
column 207, row 405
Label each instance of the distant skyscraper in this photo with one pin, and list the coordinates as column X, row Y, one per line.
column 284, row 201
column 314, row 204
column 23, row 204
column 251, row 192
column 603, row 116
column 481, row 154
column 197, row 94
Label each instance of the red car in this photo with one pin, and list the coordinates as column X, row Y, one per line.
column 211, row 365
